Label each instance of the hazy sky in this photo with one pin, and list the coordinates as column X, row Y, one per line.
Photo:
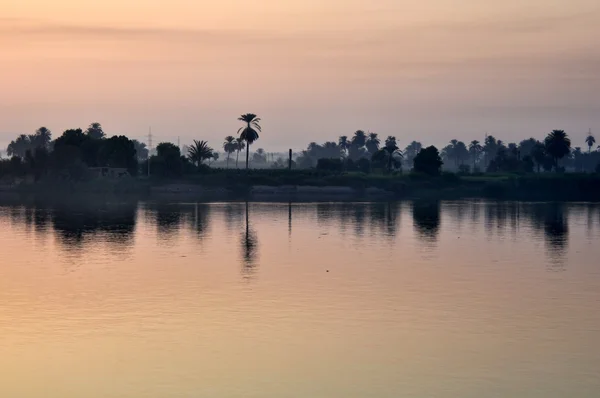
column 312, row 69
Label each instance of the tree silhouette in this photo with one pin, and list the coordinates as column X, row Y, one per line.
column 538, row 153
column 411, row 151
column 95, row 131
column 475, row 150
column 239, row 146
column 359, row 139
column 199, row 152
column 428, row 161
column 249, row 133
column 19, row 146
column 229, row 146
column 372, row 143
column 390, row 154
column 344, row 144
column 41, row 138
column 590, row 141
column 558, row 145
column 141, row 150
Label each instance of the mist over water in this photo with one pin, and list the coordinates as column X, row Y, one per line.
column 436, row 299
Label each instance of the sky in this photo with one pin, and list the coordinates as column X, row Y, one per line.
column 311, row 69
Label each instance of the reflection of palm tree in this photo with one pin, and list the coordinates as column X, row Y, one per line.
column 249, row 245
column 556, row 230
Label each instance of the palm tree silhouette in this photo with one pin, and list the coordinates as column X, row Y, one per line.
column 558, row 145
column 372, row 143
column 344, row 144
column 199, row 151
column 229, row 146
column 475, row 150
column 239, row 145
column 249, row 133
column 359, row 139
column 590, row 141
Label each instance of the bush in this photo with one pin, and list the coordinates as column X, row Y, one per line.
column 334, row 165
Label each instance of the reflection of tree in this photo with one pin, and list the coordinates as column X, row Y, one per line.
column 249, row 245
column 499, row 214
column 552, row 220
column 113, row 224
column 426, row 218
column 556, row 231
column 168, row 220
column 290, row 219
column 233, row 216
column 384, row 216
column 359, row 214
column 199, row 219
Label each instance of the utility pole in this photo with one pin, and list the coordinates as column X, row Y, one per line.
column 149, row 148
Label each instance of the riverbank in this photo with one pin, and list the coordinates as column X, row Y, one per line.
column 307, row 185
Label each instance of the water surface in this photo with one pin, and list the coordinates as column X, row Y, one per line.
column 441, row 299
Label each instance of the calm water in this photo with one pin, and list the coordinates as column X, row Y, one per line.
column 451, row 299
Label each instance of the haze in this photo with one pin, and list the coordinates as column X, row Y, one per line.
column 313, row 70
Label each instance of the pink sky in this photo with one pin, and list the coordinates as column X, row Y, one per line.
column 313, row 70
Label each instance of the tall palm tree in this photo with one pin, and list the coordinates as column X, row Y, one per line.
column 344, row 144
column 229, row 146
column 199, row 152
column 590, row 141
column 239, row 145
column 558, row 145
column 392, row 149
column 359, row 139
column 19, row 146
column 41, row 138
column 249, row 133
column 372, row 143
column 475, row 150
column 391, row 140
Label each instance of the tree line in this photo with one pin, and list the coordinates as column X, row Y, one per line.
column 73, row 153
column 364, row 151
column 77, row 150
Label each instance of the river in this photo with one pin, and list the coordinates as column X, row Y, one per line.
column 409, row 299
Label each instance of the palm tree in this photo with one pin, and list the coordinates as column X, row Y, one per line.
column 19, row 146
column 558, row 145
column 41, row 138
column 391, row 140
column 229, row 146
column 199, row 151
column 590, row 141
column 372, row 143
column 249, row 133
column 239, row 145
column 410, row 152
column 475, row 150
column 538, row 153
column 344, row 144
column 359, row 140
